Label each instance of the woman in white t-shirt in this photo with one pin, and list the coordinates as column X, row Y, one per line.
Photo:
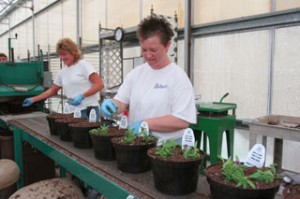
column 79, row 79
column 157, row 92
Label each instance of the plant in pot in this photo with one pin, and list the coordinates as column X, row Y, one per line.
column 175, row 168
column 80, row 133
column 63, row 127
column 101, row 138
column 231, row 179
column 291, row 191
column 131, row 151
column 51, row 121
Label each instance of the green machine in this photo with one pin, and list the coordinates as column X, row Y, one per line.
column 19, row 80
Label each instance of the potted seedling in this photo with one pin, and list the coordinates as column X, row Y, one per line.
column 53, row 127
column 80, row 133
column 233, row 180
column 101, row 138
column 175, row 168
column 63, row 127
column 131, row 151
column 291, row 191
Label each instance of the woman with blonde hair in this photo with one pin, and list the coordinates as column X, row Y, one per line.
column 79, row 79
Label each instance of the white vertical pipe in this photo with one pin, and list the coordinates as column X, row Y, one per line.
column 141, row 9
column 62, row 18
column 77, row 21
column 106, row 14
column 271, row 63
column 33, row 30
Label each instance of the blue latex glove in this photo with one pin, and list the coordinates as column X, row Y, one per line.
column 27, row 102
column 136, row 127
column 77, row 100
column 108, row 107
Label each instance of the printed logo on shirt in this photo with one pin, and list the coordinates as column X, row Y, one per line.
column 160, row 86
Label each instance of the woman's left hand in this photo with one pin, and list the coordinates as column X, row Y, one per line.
column 77, row 100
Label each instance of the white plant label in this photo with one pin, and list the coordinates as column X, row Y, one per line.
column 77, row 113
column 123, row 122
column 188, row 138
column 256, row 156
column 93, row 116
column 66, row 108
column 144, row 125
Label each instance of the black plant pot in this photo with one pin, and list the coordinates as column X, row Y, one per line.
column 51, row 121
column 291, row 191
column 175, row 177
column 223, row 191
column 103, row 147
column 64, row 129
column 132, row 158
column 80, row 134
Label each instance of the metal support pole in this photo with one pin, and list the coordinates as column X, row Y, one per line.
column 78, row 22
column 187, row 37
column 9, row 47
column 33, row 30
column 18, row 155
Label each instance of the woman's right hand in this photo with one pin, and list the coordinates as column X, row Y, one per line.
column 109, row 107
column 27, row 102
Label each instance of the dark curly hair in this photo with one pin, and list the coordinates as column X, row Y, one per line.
column 155, row 25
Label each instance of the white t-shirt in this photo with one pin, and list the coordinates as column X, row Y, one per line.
column 75, row 80
column 154, row 93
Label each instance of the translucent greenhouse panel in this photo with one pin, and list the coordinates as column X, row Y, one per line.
column 41, row 4
column 286, row 4
column 286, row 94
column 69, row 20
column 127, row 13
column 219, row 10
column 93, row 13
column 238, row 64
column 55, row 25
column 42, row 31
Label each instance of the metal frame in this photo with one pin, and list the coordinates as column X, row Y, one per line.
column 263, row 21
column 90, row 177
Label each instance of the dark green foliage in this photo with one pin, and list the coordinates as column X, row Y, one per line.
column 167, row 148
column 102, row 130
column 191, row 152
column 234, row 172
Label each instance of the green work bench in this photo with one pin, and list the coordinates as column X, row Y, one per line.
column 213, row 119
column 102, row 176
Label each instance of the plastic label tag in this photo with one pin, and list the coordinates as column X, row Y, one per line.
column 123, row 122
column 93, row 116
column 77, row 113
column 144, row 126
column 188, row 138
column 256, row 156
column 66, row 108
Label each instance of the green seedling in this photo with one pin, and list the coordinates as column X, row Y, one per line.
column 167, row 148
column 102, row 130
column 146, row 136
column 191, row 152
column 234, row 172
column 128, row 137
